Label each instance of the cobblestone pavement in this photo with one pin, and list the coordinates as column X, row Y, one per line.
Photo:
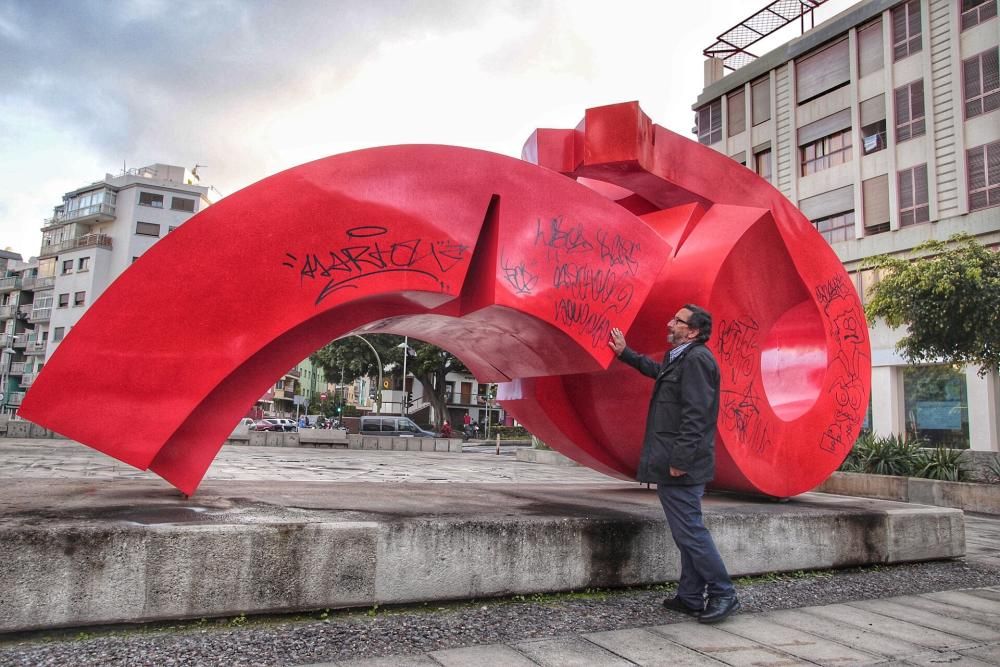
column 65, row 459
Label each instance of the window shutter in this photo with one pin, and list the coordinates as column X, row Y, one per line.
column 822, row 70
column 922, row 214
column 824, row 127
column 873, row 110
column 761, row 101
column 829, row 203
column 906, row 188
column 870, row 48
column 875, row 197
column 736, row 113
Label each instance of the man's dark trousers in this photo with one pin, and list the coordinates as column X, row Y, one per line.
column 701, row 564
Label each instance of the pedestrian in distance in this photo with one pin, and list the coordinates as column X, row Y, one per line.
column 678, row 455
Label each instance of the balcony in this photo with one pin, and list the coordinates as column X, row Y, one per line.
column 20, row 340
column 17, row 368
column 294, row 373
column 15, row 398
column 45, row 283
column 86, row 215
column 10, row 283
column 27, row 379
column 85, row 241
column 28, row 282
column 7, row 312
column 35, row 347
column 40, row 315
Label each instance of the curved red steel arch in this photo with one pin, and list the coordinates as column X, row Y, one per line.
column 516, row 269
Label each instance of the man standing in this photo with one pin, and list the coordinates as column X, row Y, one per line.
column 678, row 455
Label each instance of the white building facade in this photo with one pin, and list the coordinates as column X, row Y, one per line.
column 883, row 125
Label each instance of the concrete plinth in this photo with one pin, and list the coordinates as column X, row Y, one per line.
column 79, row 552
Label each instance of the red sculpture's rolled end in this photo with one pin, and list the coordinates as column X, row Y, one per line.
column 515, row 268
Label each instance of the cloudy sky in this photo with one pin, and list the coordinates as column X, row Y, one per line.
column 249, row 87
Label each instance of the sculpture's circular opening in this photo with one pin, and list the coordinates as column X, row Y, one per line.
column 794, row 361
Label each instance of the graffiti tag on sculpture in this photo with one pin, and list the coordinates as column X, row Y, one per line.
column 366, row 255
column 740, row 399
column 846, row 322
column 591, row 272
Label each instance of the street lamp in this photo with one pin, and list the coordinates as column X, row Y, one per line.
column 405, row 346
column 378, row 360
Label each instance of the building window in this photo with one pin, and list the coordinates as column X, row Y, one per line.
column 870, row 48
column 150, row 199
column 83, row 264
column 67, row 266
column 835, row 228
column 936, row 404
column 709, row 120
column 984, row 176
column 147, row 229
column 913, row 208
column 182, row 204
column 873, row 127
column 981, row 83
column 975, row 12
column 875, row 200
column 58, row 333
column 64, row 300
column 760, row 101
column 822, row 71
column 736, row 113
column 906, row 30
column 826, row 152
column 910, row 111
column 79, row 298
column 762, row 164
column 171, row 228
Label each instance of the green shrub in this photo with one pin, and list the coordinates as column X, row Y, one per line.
column 892, row 455
column 509, row 432
column 538, row 444
column 941, row 463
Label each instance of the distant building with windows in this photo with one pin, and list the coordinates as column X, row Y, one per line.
column 883, row 125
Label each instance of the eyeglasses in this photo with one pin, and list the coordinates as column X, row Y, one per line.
column 677, row 319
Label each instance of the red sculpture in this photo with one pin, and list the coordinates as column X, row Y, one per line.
column 516, row 269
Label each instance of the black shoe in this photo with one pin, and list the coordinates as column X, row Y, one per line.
column 718, row 609
column 679, row 605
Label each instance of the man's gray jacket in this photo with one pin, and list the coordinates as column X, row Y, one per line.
column 683, row 411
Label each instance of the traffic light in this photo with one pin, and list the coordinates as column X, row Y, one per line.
column 409, row 400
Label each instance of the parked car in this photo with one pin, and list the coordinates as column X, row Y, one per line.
column 263, row 425
column 282, row 424
column 394, row 426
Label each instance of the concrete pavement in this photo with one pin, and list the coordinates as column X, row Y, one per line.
column 81, row 533
column 949, row 628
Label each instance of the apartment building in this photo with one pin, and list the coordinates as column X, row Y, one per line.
column 18, row 352
column 883, row 125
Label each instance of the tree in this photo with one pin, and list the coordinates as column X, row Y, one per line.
column 354, row 359
column 948, row 297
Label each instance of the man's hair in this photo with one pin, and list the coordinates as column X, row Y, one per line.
column 701, row 320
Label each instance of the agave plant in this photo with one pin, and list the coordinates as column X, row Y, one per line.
column 891, row 455
column 942, row 463
column 992, row 471
column 854, row 461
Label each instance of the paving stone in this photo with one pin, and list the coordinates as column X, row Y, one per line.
column 944, row 659
column 861, row 639
column 989, row 652
column 570, row 652
column 649, row 649
column 761, row 629
column 967, row 599
column 901, row 609
column 725, row 646
column 891, row 627
column 489, row 654
column 954, row 611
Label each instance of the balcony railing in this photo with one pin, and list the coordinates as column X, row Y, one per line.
column 27, row 379
column 85, row 241
column 19, row 341
column 7, row 312
column 35, row 347
column 45, row 283
column 40, row 315
column 10, row 283
column 28, row 282
column 15, row 398
column 17, row 368
column 97, row 212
